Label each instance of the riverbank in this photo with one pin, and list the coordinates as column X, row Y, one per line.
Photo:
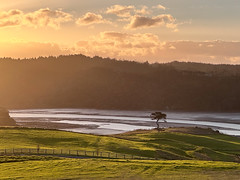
column 105, row 122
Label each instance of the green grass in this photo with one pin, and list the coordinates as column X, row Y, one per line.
column 116, row 169
column 161, row 145
column 189, row 155
column 10, row 159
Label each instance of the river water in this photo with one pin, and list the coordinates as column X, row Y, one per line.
column 114, row 122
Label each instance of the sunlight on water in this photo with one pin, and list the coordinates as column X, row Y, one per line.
column 112, row 122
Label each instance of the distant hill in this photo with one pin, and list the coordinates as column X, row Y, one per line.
column 210, row 69
column 5, row 119
column 77, row 81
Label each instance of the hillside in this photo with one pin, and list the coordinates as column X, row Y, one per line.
column 172, row 144
column 78, row 81
column 59, row 168
column 207, row 69
column 5, row 119
column 182, row 153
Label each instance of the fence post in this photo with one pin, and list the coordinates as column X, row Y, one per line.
column 75, row 153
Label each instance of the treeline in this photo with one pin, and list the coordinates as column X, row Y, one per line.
column 78, row 81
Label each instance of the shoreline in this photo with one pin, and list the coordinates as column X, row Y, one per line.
column 95, row 129
column 114, row 122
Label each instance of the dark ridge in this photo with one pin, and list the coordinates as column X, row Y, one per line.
column 78, row 81
column 5, row 119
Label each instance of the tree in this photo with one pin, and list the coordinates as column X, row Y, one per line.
column 158, row 116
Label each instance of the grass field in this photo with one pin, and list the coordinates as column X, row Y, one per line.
column 34, row 167
column 183, row 153
column 172, row 144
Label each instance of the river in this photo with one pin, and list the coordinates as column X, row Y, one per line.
column 113, row 122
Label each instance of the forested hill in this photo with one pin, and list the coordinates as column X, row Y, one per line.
column 78, row 81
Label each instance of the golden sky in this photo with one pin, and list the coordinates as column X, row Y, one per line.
column 141, row 30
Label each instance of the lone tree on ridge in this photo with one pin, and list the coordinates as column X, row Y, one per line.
column 158, row 116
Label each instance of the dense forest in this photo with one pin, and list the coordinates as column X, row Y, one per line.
column 77, row 81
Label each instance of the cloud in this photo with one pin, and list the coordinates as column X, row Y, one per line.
column 208, row 52
column 119, row 45
column 40, row 18
column 211, row 48
column 127, row 11
column 142, row 47
column 10, row 18
column 114, row 35
column 138, row 47
column 9, row 23
column 235, row 60
column 159, row 6
column 10, row 13
column 47, row 18
column 145, row 22
column 31, row 49
column 91, row 18
column 121, row 11
column 143, row 11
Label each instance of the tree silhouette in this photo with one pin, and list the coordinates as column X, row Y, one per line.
column 158, row 116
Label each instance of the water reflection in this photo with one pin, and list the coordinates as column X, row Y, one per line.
column 112, row 122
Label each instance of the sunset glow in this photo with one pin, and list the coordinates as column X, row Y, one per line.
column 154, row 31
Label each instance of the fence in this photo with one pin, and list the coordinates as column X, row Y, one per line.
column 68, row 153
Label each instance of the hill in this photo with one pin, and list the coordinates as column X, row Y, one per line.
column 207, row 69
column 5, row 119
column 78, row 81
column 60, row 168
column 184, row 153
column 172, row 144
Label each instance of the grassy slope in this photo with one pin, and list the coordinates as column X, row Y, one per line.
column 161, row 145
column 115, row 169
column 165, row 145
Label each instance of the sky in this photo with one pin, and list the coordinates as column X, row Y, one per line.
column 141, row 30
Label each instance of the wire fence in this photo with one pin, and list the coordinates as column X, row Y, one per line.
column 68, row 153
